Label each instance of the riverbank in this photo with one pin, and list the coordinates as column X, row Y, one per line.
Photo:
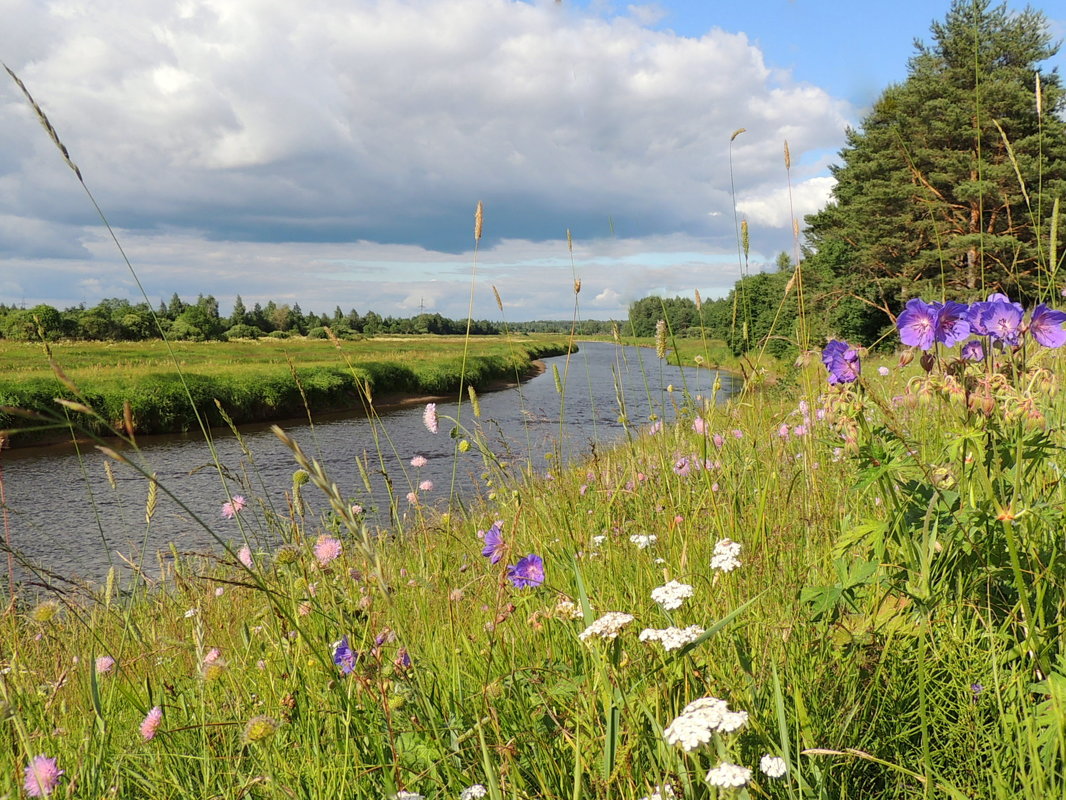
column 252, row 381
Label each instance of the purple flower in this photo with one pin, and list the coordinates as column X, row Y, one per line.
column 1002, row 320
column 973, row 351
column 1046, row 326
column 494, row 547
column 952, row 323
column 150, row 726
column 528, row 572
column 41, row 776
column 917, row 324
column 977, row 311
column 403, row 659
column 429, row 418
column 842, row 362
column 344, row 657
column 682, row 466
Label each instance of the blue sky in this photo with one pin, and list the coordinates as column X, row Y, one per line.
column 333, row 153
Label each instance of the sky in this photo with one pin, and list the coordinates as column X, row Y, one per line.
column 333, row 152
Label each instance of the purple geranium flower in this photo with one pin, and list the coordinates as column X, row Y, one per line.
column 344, row 657
column 977, row 311
column 917, row 324
column 842, row 362
column 493, row 549
column 1046, row 326
column 528, row 572
column 973, row 351
column 1002, row 320
column 952, row 323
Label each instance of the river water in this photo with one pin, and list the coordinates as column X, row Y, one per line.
column 65, row 518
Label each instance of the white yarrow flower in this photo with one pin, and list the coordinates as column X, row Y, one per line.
column 567, row 609
column 606, row 627
column 725, row 555
column 643, row 541
column 700, row 720
column 672, row 595
column 672, row 638
column 473, row 792
column 772, row 766
column 728, row 776
column 664, row 792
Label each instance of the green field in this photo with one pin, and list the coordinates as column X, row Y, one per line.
column 253, row 380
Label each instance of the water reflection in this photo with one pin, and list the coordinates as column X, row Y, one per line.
column 66, row 514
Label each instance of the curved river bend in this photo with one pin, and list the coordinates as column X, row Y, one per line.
column 65, row 516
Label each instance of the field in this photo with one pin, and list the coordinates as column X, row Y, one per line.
column 252, row 380
column 867, row 574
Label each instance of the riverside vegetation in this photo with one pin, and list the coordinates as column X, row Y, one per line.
column 849, row 584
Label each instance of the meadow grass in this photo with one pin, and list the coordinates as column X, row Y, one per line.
column 251, row 380
column 892, row 628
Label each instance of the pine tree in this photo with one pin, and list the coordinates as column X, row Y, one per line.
column 928, row 199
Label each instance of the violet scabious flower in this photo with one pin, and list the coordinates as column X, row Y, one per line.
column 244, row 555
column 493, row 538
column 952, row 323
column 104, row 664
column 1045, row 325
column 682, row 467
column 429, row 418
column 42, row 776
column 917, row 324
column 327, row 549
column 527, row 573
column 151, row 723
column 972, row 351
column 842, row 361
column 419, row 461
column 344, row 657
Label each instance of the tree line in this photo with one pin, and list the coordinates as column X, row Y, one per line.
column 117, row 319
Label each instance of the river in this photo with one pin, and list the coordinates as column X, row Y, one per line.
column 66, row 518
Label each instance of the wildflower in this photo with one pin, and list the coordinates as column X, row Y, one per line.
column 42, row 776
column 799, row 431
column 287, row 554
column 1046, row 326
column 952, row 323
column 725, row 555
column 682, row 467
column 598, row 540
column 259, row 728
column 219, row 591
column 772, row 766
column 655, row 427
column 697, row 723
column 527, row 573
column 699, row 426
column 672, row 638
column 344, row 657
column 473, row 792
column 192, row 612
column 671, row 595
column 212, row 670
column 104, row 664
column 151, row 723
column 567, row 609
column 664, row 792
column 327, row 549
column 882, row 371
column 494, row 546
column 972, row 351
column 917, row 324
column 244, row 555
column 402, row 660
column 738, row 434
column 783, row 431
column 45, row 612
column 997, row 317
column 212, row 655
column 842, row 361
column 728, row 776
column 606, row 627
column 412, row 498
column 233, row 506
column 643, row 541
column 357, row 510
column 426, row 486
column 418, row 461
column 408, row 795
column 429, row 418
column 719, row 440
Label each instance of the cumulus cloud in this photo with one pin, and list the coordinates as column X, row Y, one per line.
column 775, row 207
column 281, row 126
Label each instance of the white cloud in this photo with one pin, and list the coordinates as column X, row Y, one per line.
column 775, row 207
column 386, row 120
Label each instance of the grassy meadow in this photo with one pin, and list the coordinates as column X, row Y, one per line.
column 251, row 380
column 868, row 574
